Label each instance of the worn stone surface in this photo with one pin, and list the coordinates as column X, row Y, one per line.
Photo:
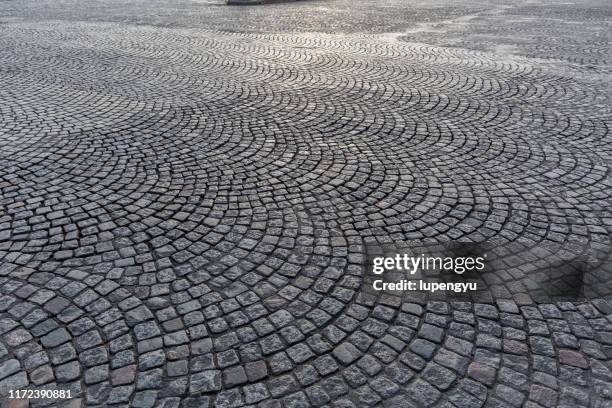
column 187, row 190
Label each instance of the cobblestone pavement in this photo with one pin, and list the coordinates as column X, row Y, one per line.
column 187, row 189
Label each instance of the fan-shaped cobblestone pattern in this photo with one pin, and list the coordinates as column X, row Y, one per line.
column 187, row 192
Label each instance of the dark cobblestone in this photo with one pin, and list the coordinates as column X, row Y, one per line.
column 186, row 191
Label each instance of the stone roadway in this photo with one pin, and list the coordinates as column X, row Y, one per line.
column 187, row 189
